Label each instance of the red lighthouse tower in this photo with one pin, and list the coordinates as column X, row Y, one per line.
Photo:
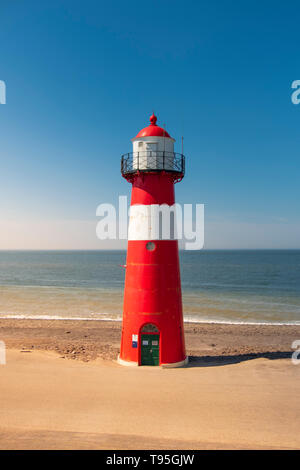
column 152, row 330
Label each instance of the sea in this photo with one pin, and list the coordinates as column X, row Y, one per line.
column 218, row 286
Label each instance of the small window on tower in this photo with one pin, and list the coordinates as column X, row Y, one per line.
column 150, row 246
column 141, row 144
column 152, row 146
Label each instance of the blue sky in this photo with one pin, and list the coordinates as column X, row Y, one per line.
column 82, row 78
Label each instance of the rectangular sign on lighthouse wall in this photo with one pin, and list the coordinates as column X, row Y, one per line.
column 134, row 341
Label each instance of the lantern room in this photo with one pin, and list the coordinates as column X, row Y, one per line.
column 153, row 149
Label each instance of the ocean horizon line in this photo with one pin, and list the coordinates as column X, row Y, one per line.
column 94, row 250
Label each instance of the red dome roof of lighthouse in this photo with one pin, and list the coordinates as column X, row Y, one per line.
column 153, row 130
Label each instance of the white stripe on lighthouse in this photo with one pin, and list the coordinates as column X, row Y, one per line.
column 153, row 222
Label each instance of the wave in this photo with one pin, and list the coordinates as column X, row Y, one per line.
column 119, row 318
column 58, row 317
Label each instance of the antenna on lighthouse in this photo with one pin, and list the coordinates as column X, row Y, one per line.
column 164, row 136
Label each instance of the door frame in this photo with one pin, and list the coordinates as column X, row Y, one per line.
column 149, row 333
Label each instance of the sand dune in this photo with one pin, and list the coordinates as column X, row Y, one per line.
column 51, row 403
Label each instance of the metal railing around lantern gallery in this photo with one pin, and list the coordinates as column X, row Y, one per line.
column 152, row 161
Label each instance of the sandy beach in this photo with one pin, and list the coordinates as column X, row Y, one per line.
column 62, row 389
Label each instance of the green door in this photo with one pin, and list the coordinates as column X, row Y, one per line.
column 149, row 350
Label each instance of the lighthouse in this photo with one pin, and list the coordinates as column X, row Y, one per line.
column 152, row 327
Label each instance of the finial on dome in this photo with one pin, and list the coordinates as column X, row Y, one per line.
column 153, row 119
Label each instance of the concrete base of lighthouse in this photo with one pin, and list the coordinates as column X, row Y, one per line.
column 126, row 363
column 171, row 365
column 175, row 364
